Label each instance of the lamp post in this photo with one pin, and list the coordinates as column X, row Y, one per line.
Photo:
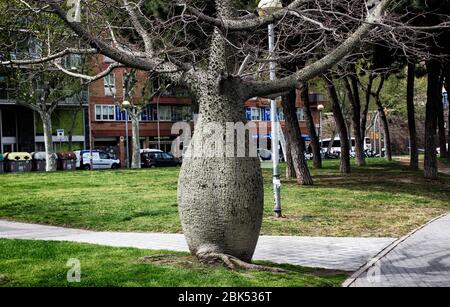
column 320, row 107
column 266, row 7
column 126, row 105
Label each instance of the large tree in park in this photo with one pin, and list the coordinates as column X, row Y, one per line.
column 214, row 49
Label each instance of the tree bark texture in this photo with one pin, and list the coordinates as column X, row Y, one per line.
column 414, row 158
column 351, row 84
column 295, row 139
column 50, row 155
column 441, row 123
column 315, row 142
column 431, row 120
column 384, row 120
column 220, row 197
column 365, row 112
column 340, row 124
column 290, row 171
column 136, row 144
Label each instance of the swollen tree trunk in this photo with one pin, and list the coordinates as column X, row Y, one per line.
column 295, row 138
column 353, row 96
column 136, row 145
column 431, row 121
column 340, row 124
column 384, row 120
column 220, row 196
column 414, row 159
column 50, row 155
column 315, row 142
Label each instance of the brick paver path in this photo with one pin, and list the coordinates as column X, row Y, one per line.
column 345, row 254
column 421, row 259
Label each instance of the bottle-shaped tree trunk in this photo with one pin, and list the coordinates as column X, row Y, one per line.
column 220, row 188
column 220, row 195
column 315, row 142
column 50, row 155
column 414, row 158
column 340, row 124
column 295, row 139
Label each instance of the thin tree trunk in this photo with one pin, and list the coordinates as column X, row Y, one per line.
column 290, row 171
column 365, row 112
column 384, row 120
column 431, row 121
column 441, row 122
column 295, row 138
column 315, row 142
column 136, row 145
column 447, row 87
column 353, row 95
column 50, row 155
column 414, row 159
column 340, row 124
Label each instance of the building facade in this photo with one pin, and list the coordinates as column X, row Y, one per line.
column 107, row 119
column 21, row 128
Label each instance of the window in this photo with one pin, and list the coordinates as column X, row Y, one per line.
column 166, row 156
column 72, row 61
column 105, row 156
column 300, row 114
column 181, row 113
column 35, row 48
column 105, row 112
column 256, row 114
column 165, row 113
column 110, row 85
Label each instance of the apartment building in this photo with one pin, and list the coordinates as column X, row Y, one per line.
column 108, row 120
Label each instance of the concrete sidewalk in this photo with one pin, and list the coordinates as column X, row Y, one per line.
column 345, row 254
column 421, row 259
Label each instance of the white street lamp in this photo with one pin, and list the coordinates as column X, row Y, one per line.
column 126, row 105
column 320, row 107
column 266, row 7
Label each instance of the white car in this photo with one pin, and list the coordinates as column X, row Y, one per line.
column 100, row 160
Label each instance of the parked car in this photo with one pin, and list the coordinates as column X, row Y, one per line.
column 100, row 160
column 155, row 158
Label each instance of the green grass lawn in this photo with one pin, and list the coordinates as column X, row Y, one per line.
column 382, row 199
column 37, row 263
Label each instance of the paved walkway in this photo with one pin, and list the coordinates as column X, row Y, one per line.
column 345, row 254
column 421, row 259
